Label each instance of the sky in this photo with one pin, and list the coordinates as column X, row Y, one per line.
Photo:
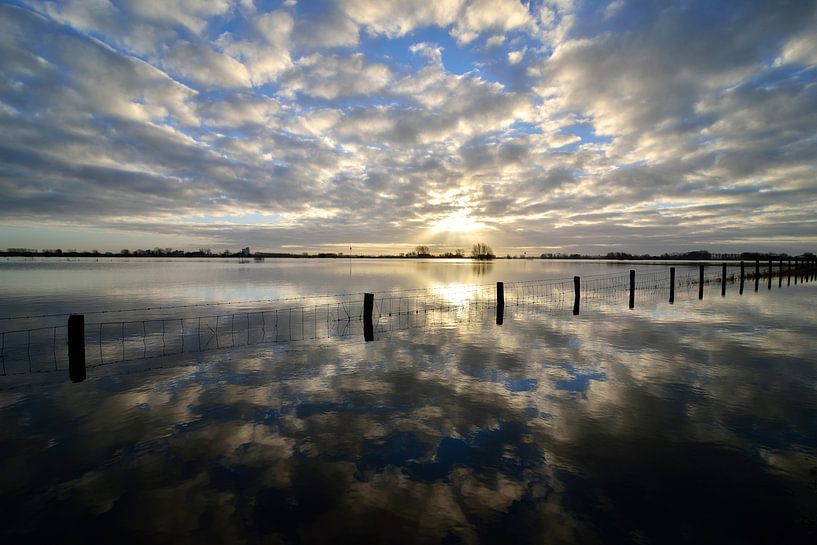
column 545, row 126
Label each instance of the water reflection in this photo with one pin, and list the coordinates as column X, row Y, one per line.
column 684, row 424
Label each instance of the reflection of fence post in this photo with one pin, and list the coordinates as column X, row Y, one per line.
column 780, row 278
column 632, row 288
column 500, row 302
column 742, row 275
column 76, row 347
column 757, row 274
column 723, row 280
column 788, row 274
column 577, row 286
column 700, row 282
column 770, row 274
column 368, row 307
column 671, row 285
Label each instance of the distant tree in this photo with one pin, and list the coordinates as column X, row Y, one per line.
column 422, row 251
column 482, row 251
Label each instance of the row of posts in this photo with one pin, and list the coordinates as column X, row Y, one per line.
column 806, row 271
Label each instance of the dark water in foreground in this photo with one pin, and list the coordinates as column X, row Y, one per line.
column 691, row 423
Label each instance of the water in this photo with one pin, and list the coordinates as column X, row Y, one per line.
column 46, row 286
column 685, row 423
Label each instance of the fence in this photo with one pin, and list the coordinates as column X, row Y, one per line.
column 80, row 345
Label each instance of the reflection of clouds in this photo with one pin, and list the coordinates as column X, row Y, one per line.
column 553, row 424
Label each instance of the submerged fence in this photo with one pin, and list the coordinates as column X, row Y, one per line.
column 84, row 343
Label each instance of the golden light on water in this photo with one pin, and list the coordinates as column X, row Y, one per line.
column 456, row 294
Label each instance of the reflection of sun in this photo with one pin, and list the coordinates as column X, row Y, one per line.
column 457, row 222
column 455, row 294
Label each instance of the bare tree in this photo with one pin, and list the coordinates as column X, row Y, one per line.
column 422, row 251
column 482, row 251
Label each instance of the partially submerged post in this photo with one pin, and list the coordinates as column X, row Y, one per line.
column 780, row 277
column 671, row 285
column 500, row 302
column 757, row 274
column 700, row 282
column 577, row 285
column 76, row 347
column 632, row 288
column 368, row 308
column 788, row 275
column 796, row 269
column 723, row 280
column 771, row 272
column 742, row 275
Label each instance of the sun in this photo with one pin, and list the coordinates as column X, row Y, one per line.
column 457, row 222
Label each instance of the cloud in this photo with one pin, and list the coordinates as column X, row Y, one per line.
column 399, row 17
column 491, row 15
column 265, row 51
column 205, row 67
column 332, row 77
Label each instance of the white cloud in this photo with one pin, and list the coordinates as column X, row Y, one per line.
column 202, row 65
column 399, row 17
column 515, row 57
column 801, row 49
column 495, row 15
column 240, row 110
column 336, row 77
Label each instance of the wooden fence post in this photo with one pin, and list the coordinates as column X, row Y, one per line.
column 368, row 308
column 742, row 275
column 757, row 274
column 788, row 275
column 577, row 286
column 671, row 285
column 76, row 347
column 796, row 269
column 771, row 271
column 723, row 280
column 700, row 282
column 500, row 302
column 780, row 277
column 632, row 288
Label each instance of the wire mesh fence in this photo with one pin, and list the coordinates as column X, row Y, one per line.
column 44, row 349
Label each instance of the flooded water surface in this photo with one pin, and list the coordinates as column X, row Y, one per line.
column 694, row 422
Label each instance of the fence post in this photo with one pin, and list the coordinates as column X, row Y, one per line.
column 76, row 347
column 742, row 275
column 796, row 269
column 757, row 274
column 368, row 307
column 671, row 285
column 577, row 286
column 723, row 280
column 770, row 274
column 780, row 277
column 700, row 281
column 632, row 288
column 788, row 274
column 500, row 302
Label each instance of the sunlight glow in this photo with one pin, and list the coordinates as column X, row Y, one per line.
column 456, row 294
column 458, row 222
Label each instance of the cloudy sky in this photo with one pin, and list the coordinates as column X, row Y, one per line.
column 302, row 126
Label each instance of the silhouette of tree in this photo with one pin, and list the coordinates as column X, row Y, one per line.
column 482, row 251
column 422, row 251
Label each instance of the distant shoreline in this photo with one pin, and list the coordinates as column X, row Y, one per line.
column 696, row 256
